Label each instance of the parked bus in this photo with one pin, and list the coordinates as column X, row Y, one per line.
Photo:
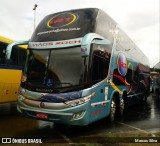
column 81, row 67
column 10, row 71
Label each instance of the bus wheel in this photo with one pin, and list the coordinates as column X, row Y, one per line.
column 112, row 110
column 122, row 107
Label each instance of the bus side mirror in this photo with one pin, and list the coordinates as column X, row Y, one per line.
column 91, row 38
column 11, row 45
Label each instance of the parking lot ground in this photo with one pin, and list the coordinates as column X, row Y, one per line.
column 139, row 125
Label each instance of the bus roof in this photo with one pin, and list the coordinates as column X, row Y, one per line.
column 8, row 41
column 73, row 24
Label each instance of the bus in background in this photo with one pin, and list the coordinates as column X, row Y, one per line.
column 81, row 67
column 10, row 70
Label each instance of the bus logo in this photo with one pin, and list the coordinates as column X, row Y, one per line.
column 62, row 20
column 122, row 64
column 42, row 105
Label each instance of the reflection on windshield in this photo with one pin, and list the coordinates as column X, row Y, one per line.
column 56, row 68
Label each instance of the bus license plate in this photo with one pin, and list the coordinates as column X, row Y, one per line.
column 42, row 115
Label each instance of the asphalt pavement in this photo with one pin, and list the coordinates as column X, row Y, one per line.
column 140, row 123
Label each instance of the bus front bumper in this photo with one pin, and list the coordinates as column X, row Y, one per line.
column 77, row 115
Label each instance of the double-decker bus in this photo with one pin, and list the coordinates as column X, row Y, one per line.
column 81, row 67
column 10, row 70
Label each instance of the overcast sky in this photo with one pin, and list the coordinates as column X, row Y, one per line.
column 138, row 18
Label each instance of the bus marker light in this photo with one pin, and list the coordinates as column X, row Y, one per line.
column 83, row 49
column 24, row 78
column 22, row 91
column 104, row 104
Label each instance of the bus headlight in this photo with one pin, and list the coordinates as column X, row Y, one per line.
column 80, row 101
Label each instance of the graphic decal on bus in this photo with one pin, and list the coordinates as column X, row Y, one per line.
column 131, row 87
column 65, row 25
column 122, row 64
column 120, row 75
column 62, row 20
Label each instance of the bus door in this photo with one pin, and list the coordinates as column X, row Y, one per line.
column 99, row 101
column 100, row 66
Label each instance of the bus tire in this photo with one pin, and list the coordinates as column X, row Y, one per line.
column 121, row 105
column 112, row 110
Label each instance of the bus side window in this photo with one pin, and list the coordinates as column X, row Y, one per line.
column 18, row 57
column 100, row 65
column 100, row 62
column 2, row 54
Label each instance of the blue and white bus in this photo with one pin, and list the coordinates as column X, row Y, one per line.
column 81, row 67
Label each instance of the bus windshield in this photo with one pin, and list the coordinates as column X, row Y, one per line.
column 56, row 68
